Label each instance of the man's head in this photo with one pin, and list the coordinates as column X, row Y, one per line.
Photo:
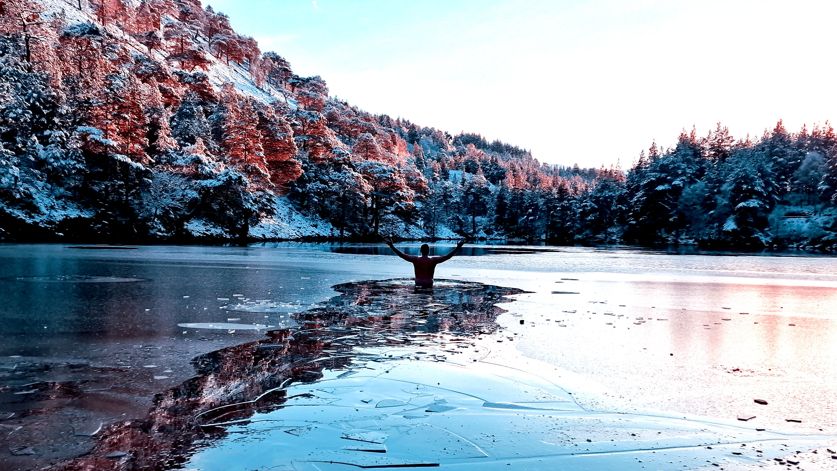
column 425, row 249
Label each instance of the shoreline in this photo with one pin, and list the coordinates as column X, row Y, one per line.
column 538, row 246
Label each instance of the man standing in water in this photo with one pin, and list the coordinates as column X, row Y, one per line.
column 424, row 266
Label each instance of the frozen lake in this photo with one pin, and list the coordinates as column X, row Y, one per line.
column 641, row 342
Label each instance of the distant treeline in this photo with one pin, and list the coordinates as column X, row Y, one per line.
column 713, row 191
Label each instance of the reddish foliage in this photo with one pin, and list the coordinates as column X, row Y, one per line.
column 178, row 36
column 113, row 11
column 274, row 70
column 191, row 59
column 199, row 84
column 240, row 136
column 312, row 134
column 311, row 92
column 279, row 147
column 147, row 18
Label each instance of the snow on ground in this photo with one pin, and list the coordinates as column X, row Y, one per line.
column 289, row 223
column 54, row 8
column 220, row 73
column 445, row 232
column 203, row 228
column 796, row 223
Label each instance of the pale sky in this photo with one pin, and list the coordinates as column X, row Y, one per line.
column 587, row 82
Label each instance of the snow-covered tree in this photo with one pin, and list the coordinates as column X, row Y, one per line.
column 748, row 195
column 809, row 175
column 189, row 122
column 279, row 146
column 237, row 130
column 158, row 131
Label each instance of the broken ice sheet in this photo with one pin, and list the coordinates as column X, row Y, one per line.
column 479, row 417
column 314, row 404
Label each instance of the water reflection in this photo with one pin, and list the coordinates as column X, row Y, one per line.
column 235, row 382
column 440, row 249
column 705, row 348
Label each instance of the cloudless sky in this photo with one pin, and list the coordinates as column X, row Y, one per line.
column 587, row 82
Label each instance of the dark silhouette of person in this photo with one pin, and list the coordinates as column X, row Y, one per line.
column 424, row 266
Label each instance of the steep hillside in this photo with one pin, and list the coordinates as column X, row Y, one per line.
column 153, row 119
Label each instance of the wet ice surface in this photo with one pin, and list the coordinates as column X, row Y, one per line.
column 370, row 325
column 414, row 413
column 625, row 331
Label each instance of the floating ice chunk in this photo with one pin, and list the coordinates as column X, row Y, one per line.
column 223, row 326
column 266, row 307
column 366, row 436
column 389, row 403
column 438, row 407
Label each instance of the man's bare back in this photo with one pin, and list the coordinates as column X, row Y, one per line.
column 425, row 266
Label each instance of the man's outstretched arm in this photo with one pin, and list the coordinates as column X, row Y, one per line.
column 450, row 254
column 398, row 252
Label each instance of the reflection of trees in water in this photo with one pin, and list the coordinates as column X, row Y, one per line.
column 235, row 382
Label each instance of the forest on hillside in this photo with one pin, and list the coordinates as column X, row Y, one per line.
column 153, row 120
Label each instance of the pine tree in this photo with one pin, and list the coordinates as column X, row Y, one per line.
column 279, row 147
column 158, row 130
column 189, row 123
column 785, row 157
column 239, row 137
column 748, row 195
column 717, row 146
column 828, row 185
column 475, row 193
